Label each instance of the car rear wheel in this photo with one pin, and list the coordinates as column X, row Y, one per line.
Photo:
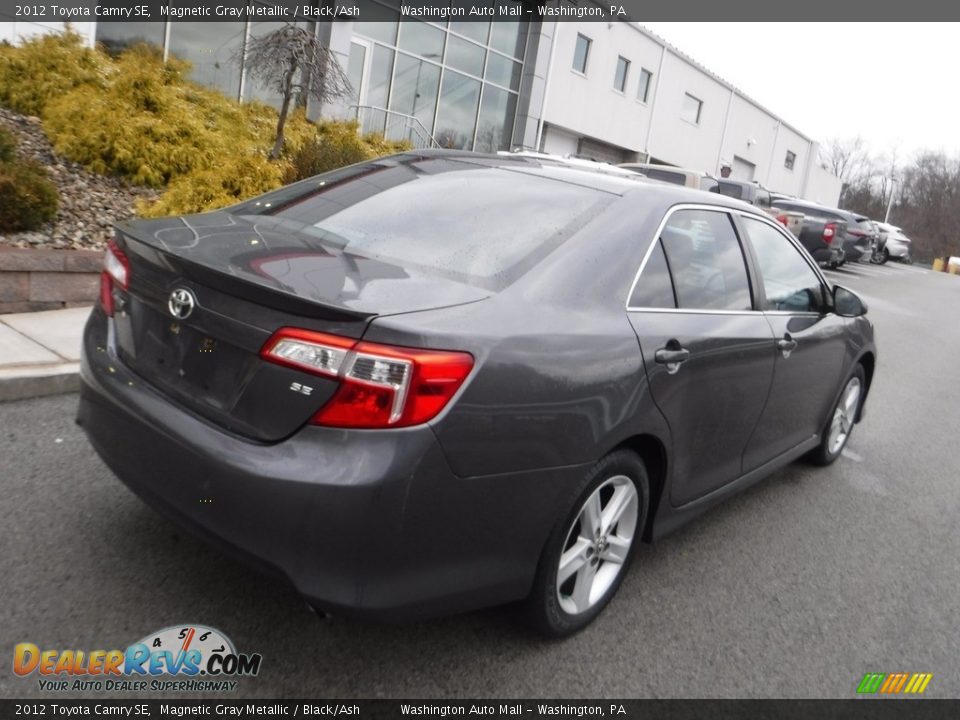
column 842, row 420
column 589, row 551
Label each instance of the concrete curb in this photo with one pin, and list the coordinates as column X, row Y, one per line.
column 23, row 383
column 40, row 353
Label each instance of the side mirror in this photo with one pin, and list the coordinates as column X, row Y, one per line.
column 846, row 303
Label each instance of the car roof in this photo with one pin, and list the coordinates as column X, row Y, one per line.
column 588, row 174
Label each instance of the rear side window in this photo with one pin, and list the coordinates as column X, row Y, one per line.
column 706, row 261
column 654, row 289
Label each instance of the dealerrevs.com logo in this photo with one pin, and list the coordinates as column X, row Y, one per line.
column 179, row 658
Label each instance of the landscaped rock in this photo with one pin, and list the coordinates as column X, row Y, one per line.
column 89, row 203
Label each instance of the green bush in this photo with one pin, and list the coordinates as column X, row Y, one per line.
column 137, row 117
column 27, row 197
column 237, row 178
column 149, row 125
column 44, row 68
column 7, row 146
column 335, row 145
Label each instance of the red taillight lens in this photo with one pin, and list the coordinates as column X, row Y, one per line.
column 106, row 293
column 116, row 269
column 829, row 231
column 782, row 219
column 115, row 262
column 381, row 385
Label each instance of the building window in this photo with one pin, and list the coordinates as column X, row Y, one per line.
column 463, row 93
column 643, row 91
column 692, row 109
column 581, row 53
column 211, row 48
column 620, row 79
column 789, row 160
column 118, row 36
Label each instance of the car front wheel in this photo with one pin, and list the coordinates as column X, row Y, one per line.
column 589, row 551
column 842, row 420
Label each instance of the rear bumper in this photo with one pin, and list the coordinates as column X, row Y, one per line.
column 856, row 249
column 827, row 255
column 361, row 522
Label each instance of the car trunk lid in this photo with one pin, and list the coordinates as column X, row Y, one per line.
column 207, row 292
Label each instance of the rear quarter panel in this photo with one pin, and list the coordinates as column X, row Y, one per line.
column 559, row 378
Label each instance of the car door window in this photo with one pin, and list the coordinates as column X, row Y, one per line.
column 789, row 283
column 706, row 261
column 654, row 288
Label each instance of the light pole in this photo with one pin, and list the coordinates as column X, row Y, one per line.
column 886, row 218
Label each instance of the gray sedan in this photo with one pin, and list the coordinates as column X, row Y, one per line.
column 441, row 381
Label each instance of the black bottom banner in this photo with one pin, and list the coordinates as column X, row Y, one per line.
column 533, row 709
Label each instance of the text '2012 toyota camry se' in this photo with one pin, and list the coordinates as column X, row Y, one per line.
column 440, row 381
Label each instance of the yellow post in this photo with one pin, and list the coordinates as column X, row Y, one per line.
column 938, row 265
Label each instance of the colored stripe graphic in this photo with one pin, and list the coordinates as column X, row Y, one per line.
column 870, row 683
column 894, row 683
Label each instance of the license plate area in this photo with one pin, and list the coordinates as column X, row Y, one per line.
column 197, row 367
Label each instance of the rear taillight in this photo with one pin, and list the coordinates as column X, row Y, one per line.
column 380, row 385
column 783, row 220
column 116, row 269
column 829, row 232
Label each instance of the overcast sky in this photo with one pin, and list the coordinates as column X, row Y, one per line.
column 894, row 84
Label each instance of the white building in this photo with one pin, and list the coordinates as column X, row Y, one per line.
column 611, row 91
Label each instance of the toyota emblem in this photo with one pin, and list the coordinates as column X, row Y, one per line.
column 181, row 303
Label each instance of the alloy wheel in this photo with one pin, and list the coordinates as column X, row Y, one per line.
column 844, row 416
column 597, row 545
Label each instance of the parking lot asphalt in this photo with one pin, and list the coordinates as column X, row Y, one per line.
column 795, row 588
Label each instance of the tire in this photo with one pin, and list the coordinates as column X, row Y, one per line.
column 595, row 566
column 842, row 420
column 885, row 257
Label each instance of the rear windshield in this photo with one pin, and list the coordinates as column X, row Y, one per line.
column 731, row 190
column 665, row 176
column 483, row 226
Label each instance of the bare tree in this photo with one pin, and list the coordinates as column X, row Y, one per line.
column 294, row 63
column 849, row 160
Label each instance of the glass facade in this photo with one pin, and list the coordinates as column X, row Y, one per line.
column 460, row 80
column 457, row 82
column 213, row 49
column 118, row 36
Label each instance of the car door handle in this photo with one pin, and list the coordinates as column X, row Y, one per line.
column 786, row 345
column 672, row 357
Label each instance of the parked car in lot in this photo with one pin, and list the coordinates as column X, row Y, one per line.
column 895, row 243
column 823, row 230
column 862, row 236
column 696, row 179
column 756, row 194
column 410, row 392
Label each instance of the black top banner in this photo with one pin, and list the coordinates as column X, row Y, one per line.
column 472, row 10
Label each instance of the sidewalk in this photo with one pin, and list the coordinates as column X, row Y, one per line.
column 40, row 352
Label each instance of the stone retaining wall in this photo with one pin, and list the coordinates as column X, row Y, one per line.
column 48, row 279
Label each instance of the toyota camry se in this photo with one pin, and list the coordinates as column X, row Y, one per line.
column 440, row 381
